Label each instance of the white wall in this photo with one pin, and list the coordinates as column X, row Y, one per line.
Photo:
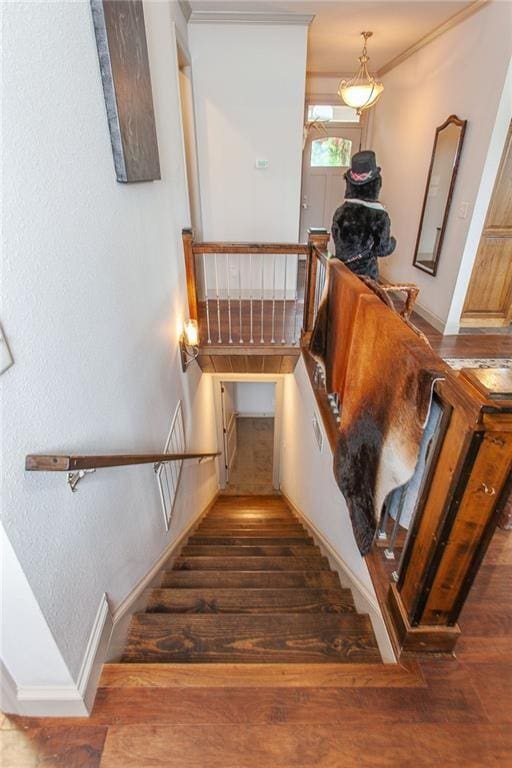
column 307, row 476
column 254, row 399
column 249, row 101
column 462, row 72
column 93, row 293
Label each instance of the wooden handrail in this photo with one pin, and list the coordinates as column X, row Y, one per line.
column 317, row 244
column 250, row 248
column 35, row 462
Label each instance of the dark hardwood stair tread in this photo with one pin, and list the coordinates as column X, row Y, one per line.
column 284, row 637
column 313, row 563
column 247, row 541
column 267, row 550
column 268, row 600
column 250, row 586
column 251, row 579
column 247, row 529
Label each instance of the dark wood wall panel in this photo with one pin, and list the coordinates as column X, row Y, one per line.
column 248, row 363
column 124, row 64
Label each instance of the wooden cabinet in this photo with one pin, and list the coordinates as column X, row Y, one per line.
column 489, row 297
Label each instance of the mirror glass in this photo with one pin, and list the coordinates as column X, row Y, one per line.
column 438, row 194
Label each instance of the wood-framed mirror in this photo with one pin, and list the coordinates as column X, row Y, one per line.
column 441, row 178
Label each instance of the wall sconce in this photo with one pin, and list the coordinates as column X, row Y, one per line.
column 189, row 343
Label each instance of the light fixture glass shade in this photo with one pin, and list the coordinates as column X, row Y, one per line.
column 360, row 96
column 191, row 333
column 362, row 91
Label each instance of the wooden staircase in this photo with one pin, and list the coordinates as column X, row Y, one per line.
column 250, row 586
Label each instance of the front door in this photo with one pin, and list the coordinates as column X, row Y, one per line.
column 325, row 161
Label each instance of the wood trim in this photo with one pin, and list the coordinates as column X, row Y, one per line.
column 190, row 271
column 403, row 675
column 437, row 639
column 227, row 247
column 318, row 240
column 444, row 530
column 60, row 463
column 450, row 23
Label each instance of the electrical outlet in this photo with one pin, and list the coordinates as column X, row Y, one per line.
column 6, row 359
column 261, row 164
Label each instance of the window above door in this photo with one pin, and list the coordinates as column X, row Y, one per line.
column 329, row 113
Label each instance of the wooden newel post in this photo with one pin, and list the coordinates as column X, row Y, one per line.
column 319, row 238
column 190, row 270
column 466, row 490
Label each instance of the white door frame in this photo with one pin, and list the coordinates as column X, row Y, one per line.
column 260, row 378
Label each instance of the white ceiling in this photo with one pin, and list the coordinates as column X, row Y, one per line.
column 334, row 41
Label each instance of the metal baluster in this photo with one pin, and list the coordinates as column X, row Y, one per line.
column 382, row 533
column 206, row 297
column 240, row 298
column 389, row 552
column 262, row 339
column 229, row 299
column 272, row 340
column 283, row 340
column 294, row 339
column 317, row 283
column 251, row 340
column 218, row 299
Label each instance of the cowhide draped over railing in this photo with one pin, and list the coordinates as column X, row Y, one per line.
column 382, row 375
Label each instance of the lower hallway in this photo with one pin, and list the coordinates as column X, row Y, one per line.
column 424, row 712
column 252, row 468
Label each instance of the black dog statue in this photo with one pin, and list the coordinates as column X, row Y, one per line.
column 361, row 226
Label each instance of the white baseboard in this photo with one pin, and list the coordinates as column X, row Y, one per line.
column 8, row 692
column 99, row 639
column 73, row 700
column 172, row 548
column 430, row 317
column 247, row 415
column 136, row 599
column 76, row 700
column 364, row 600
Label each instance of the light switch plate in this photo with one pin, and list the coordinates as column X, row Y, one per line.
column 261, row 164
column 6, row 359
column 463, row 210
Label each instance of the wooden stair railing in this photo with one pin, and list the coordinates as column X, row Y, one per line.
column 466, row 487
column 253, row 301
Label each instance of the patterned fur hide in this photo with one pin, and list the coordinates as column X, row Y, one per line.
column 361, row 234
column 384, row 374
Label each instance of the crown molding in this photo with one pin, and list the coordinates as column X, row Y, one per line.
column 186, row 9
column 450, row 23
column 249, row 17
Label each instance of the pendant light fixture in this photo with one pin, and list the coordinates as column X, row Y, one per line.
column 362, row 91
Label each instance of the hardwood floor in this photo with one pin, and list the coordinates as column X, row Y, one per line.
column 428, row 713
column 465, row 344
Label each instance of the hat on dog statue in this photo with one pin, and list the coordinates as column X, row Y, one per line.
column 364, row 168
